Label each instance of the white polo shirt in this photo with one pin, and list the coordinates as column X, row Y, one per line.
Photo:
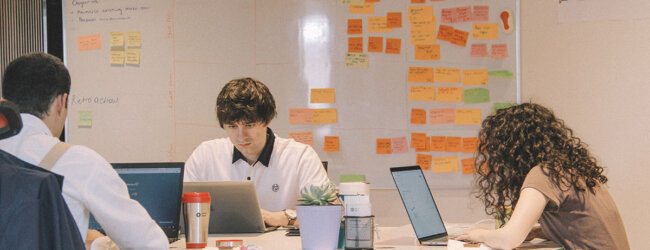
column 291, row 167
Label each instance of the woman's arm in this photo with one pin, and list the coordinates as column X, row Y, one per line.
column 528, row 210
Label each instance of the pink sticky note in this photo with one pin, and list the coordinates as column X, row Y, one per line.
column 448, row 15
column 481, row 13
column 479, row 50
column 499, row 51
column 464, row 14
column 400, row 145
column 306, row 137
column 442, row 116
column 301, row 116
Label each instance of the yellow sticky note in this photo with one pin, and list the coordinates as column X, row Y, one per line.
column 133, row 56
column 468, row 116
column 420, row 74
column 331, row 144
column 85, row 119
column 447, row 164
column 117, row 57
column 384, row 146
column 301, row 116
column 449, row 94
column 420, row 13
column 378, row 24
column 427, row 52
column 306, row 137
column 357, row 60
column 423, row 32
column 323, row 95
column 475, row 77
column 422, row 93
column 450, row 75
column 366, row 8
column 325, row 116
column 133, row 39
column 117, row 39
column 485, row 31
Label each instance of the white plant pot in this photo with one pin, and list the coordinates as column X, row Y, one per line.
column 319, row 226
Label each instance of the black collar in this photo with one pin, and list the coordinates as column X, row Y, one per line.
column 265, row 155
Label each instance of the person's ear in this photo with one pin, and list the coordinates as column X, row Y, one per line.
column 61, row 103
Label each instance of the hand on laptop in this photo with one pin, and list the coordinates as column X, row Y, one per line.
column 275, row 219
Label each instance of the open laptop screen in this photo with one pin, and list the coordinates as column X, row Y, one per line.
column 418, row 201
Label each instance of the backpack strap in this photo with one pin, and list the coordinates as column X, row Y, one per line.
column 53, row 156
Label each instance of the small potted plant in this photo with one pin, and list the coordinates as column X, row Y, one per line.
column 319, row 217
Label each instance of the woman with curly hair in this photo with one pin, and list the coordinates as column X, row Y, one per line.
column 530, row 160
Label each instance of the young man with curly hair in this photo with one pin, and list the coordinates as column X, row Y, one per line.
column 530, row 160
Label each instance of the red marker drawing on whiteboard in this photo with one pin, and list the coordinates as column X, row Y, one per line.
column 506, row 21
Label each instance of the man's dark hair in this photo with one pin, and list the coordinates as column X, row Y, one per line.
column 245, row 100
column 33, row 81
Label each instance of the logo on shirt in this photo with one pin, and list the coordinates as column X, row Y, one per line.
column 275, row 187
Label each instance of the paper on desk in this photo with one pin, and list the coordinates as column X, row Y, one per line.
column 454, row 244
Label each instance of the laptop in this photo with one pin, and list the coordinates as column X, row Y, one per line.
column 234, row 207
column 157, row 187
column 420, row 206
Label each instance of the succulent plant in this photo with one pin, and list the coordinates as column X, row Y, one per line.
column 318, row 195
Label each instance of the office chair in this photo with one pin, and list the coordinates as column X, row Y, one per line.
column 10, row 122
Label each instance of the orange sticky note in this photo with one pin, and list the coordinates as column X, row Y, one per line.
column 325, row 116
column 400, row 145
column 393, row 45
column 418, row 116
column 468, row 116
column 306, row 137
column 375, row 44
column 459, row 38
column 468, row 165
column 449, row 94
column 469, row 145
column 90, row 42
column 418, row 1
column 417, row 140
column 301, row 116
column 447, row 164
column 420, row 74
column 367, row 8
column 394, row 19
column 331, row 144
column 442, row 116
column 372, row 1
column 479, row 50
column 323, row 95
column 453, row 144
column 424, row 161
column 445, row 32
column 427, row 52
column 427, row 146
column 438, row 143
column 499, row 51
column 450, row 75
column 485, row 31
column 355, row 44
column 420, row 13
column 475, row 77
column 355, row 26
column 423, row 93
column 383, row 146
column 378, row 24
column 423, row 32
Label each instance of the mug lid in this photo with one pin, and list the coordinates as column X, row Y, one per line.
column 194, row 197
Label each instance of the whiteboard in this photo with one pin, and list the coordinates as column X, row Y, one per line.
column 162, row 107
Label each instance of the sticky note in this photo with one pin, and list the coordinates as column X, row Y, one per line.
column 453, row 144
column 375, row 44
column 418, row 116
column 355, row 44
column 427, row 52
column 301, row 116
column 449, row 94
column 85, row 119
column 383, row 146
column 355, row 26
column 499, row 51
column 485, row 31
column 366, row 8
column 459, row 37
column 356, row 60
column 420, row 13
column 468, row 116
column 352, row 178
column 90, row 42
column 445, row 32
column 423, row 32
column 450, row 75
column 394, row 19
column 400, row 145
column 468, row 166
column 417, row 140
column 325, row 116
column 438, row 143
column 476, row 95
column 481, row 13
column 353, row 1
column 475, row 77
column 393, row 45
column 479, row 50
column 378, row 24
column 448, row 15
column 501, row 73
column 447, row 164
column 133, row 56
column 422, row 93
column 418, row 1
column 501, row 105
column 331, row 144
column 117, row 57
column 424, row 161
column 306, row 137
column 469, row 145
column 442, row 116
column 117, row 39
column 323, row 95
column 464, row 14
column 133, row 39
column 427, row 146
column 420, row 74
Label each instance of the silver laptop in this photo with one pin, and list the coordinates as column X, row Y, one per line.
column 420, row 206
column 234, row 207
